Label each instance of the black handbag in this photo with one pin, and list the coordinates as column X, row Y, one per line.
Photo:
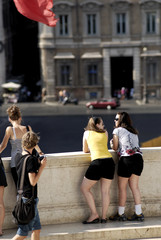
column 24, row 211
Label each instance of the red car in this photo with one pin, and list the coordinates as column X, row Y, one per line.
column 104, row 103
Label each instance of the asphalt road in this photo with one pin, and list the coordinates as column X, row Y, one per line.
column 61, row 127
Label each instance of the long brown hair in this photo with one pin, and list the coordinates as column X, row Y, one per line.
column 91, row 126
column 125, row 122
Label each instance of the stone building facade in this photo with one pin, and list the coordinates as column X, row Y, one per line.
column 98, row 47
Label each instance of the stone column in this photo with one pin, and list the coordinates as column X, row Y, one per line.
column 46, row 44
column 136, row 73
column 2, row 52
column 106, row 73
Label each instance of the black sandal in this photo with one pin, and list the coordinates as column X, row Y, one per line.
column 91, row 222
column 103, row 220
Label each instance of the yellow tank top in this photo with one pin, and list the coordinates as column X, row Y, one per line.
column 97, row 143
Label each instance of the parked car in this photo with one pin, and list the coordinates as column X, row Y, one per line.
column 104, row 103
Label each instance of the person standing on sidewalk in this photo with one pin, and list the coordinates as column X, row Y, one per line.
column 14, row 133
column 102, row 167
column 3, row 184
column 33, row 171
column 125, row 142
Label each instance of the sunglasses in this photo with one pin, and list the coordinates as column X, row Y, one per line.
column 116, row 119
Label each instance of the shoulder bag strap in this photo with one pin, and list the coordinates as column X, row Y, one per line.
column 27, row 127
column 20, row 191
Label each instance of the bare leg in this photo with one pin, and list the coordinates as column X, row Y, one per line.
column 85, row 188
column 35, row 235
column 17, row 237
column 105, row 190
column 122, row 183
column 2, row 209
column 134, row 186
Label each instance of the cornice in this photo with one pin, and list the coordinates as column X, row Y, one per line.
column 63, row 3
column 148, row 1
column 91, row 1
column 120, row 1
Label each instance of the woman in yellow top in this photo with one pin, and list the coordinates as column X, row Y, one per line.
column 102, row 167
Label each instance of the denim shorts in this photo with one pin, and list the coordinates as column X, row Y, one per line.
column 34, row 224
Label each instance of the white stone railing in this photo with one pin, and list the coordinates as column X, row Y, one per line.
column 60, row 197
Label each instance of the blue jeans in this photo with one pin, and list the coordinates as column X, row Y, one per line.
column 34, row 224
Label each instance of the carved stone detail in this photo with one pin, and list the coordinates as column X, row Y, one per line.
column 62, row 6
column 120, row 5
column 91, row 5
column 150, row 4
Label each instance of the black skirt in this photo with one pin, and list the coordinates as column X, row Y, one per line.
column 3, row 181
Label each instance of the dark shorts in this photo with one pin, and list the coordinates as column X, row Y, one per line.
column 3, row 181
column 130, row 165
column 101, row 168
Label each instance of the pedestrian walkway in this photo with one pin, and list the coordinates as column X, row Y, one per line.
column 149, row 229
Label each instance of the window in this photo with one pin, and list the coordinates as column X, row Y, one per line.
column 152, row 73
column 65, row 74
column 63, row 11
column 150, row 11
column 121, row 14
column 91, row 10
column 92, row 74
column 91, row 24
column 121, row 23
column 63, row 25
column 151, row 23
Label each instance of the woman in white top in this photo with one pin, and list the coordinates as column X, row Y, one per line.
column 125, row 141
column 15, row 133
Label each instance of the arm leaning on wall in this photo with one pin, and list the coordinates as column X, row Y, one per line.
column 5, row 140
column 85, row 145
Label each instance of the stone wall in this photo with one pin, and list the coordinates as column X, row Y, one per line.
column 60, row 197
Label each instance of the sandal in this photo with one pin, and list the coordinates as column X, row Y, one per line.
column 92, row 222
column 103, row 220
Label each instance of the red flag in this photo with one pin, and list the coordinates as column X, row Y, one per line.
column 37, row 10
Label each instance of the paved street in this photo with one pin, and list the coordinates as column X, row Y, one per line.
column 50, row 109
column 61, row 127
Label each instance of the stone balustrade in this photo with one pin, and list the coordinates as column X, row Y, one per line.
column 61, row 200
